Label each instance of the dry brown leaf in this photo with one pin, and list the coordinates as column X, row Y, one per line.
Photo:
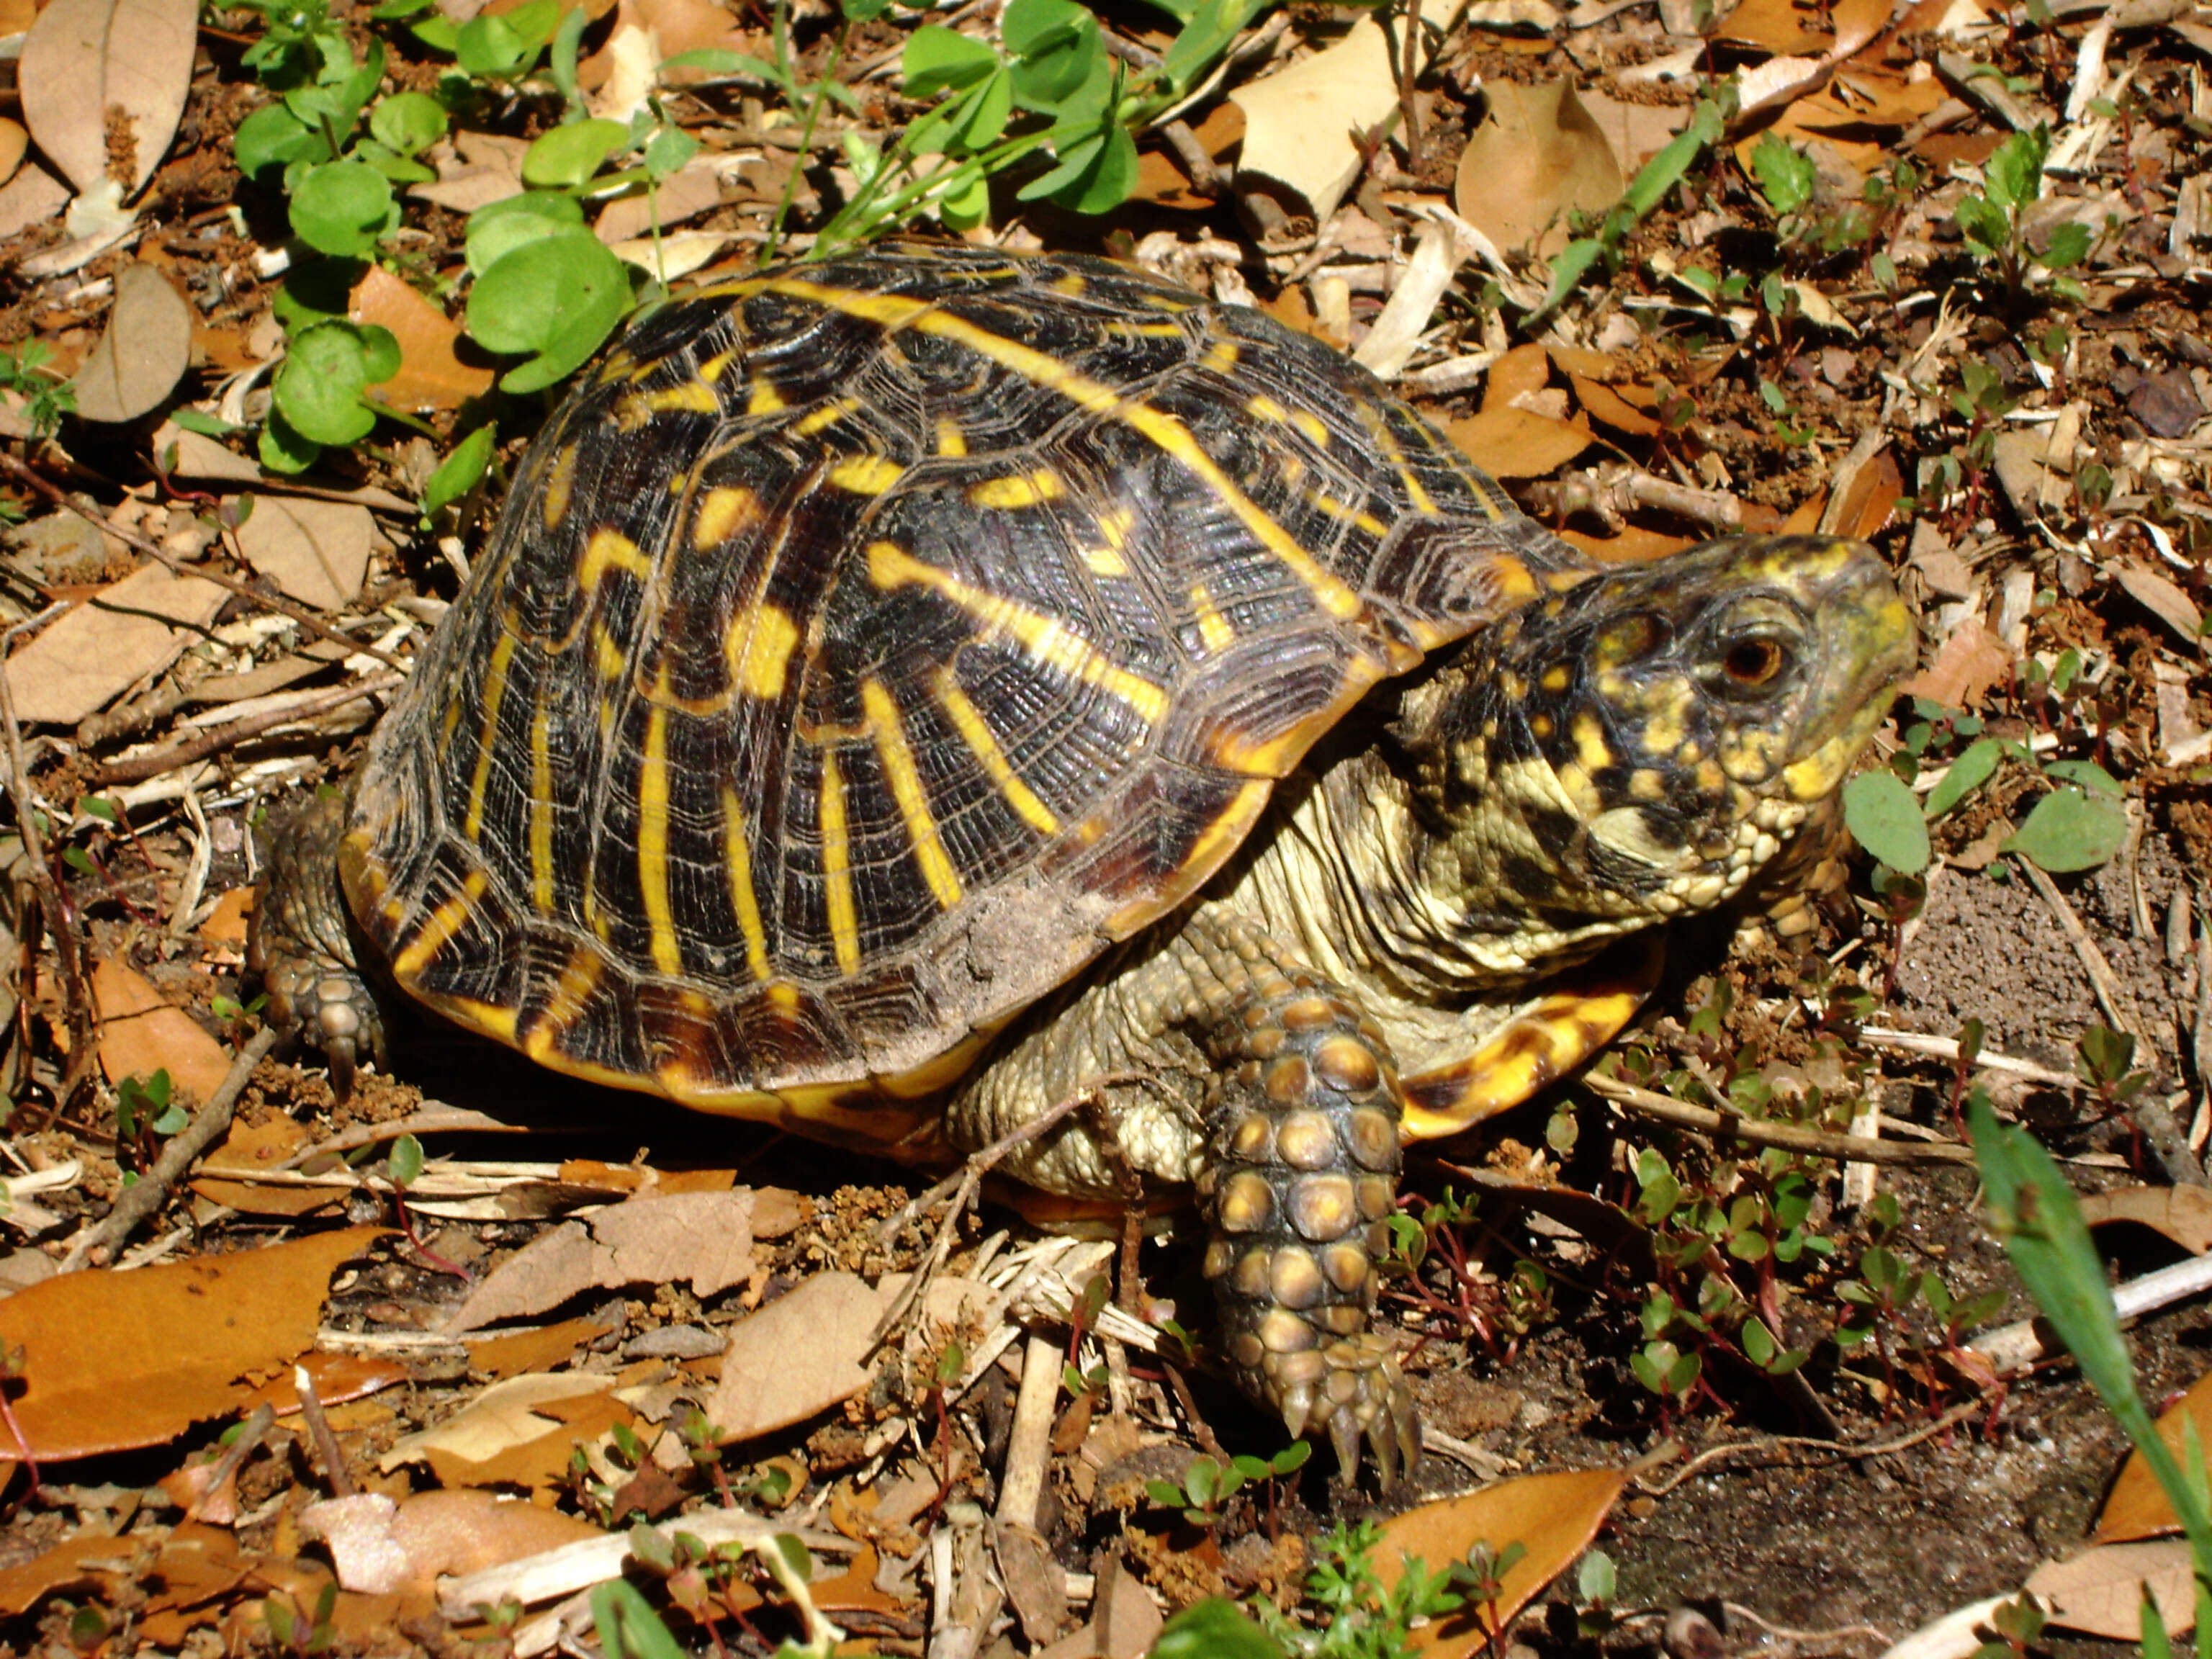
column 482, row 168
column 505, row 1415
column 78, row 1563
column 108, row 644
column 1512, row 443
column 225, row 923
column 2183, row 1214
column 431, row 375
column 2165, row 601
column 697, row 190
column 1524, row 369
column 1874, row 491
column 806, row 1351
column 1608, row 407
column 91, row 65
column 337, row 1377
column 141, row 1033
column 114, row 1360
column 1302, row 124
column 2100, row 1591
column 1552, row 1516
column 196, row 455
column 2136, row 1506
column 1161, row 180
column 315, row 551
column 1782, row 26
column 674, row 27
column 31, row 198
column 1972, row 661
column 1537, row 157
column 704, row 1237
column 142, row 353
column 512, row 1353
column 1632, row 545
column 383, row 1547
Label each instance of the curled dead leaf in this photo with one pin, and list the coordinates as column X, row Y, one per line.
column 91, row 67
column 1537, row 157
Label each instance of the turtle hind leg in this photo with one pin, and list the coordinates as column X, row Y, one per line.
column 1300, row 1178
column 302, row 943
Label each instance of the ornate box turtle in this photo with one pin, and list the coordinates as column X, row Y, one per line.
column 906, row 692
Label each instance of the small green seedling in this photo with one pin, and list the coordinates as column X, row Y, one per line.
column 1208, row 1485
column 1994, row 224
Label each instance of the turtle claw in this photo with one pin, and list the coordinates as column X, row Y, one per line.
column 1359, row 1395
column 300, row 945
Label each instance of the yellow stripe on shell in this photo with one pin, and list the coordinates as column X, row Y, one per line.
column 829, row 415
column 866, row 475
column 1212, row 627
column 762, row 397
column 495, row 692
column 438, row 929
column 1018, row 490
column 721, row 514
column 1045, row 639
column 737, row 860
column 580, row 977
column 758, row 647
column 560, row 485
column 1388, row 442
column 609, row 550
column 837, row 867
column 692, row 398
column 1206, row 853
column 541, row 807
column 908, row 791
column 1166, row 431
column 653, row 834
column 969, row 721
column 951, row 441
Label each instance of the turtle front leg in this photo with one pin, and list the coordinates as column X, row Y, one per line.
column 302, row 948
column 1300, row 1178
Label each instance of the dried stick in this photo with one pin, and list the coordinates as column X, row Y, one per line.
column 207, row 1126
column 135, row 769
column 1819, row 1142
column 84, row 1031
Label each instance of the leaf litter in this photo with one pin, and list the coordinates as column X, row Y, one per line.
column 2056, row 508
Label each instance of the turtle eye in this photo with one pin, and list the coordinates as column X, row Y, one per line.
column 1755, row 662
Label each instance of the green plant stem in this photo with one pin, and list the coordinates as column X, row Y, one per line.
column 816, row 99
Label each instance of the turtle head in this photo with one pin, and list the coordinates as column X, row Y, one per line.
column 1641, row 745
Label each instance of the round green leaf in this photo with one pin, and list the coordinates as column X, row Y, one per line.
column 499, row 228
column 2070, row 830
column 271, row 139
column 966, row 206
column 567, row 157
column 1967, row 773
column 1055, row 44
column 342, row 208
column 1887, row 821
column 318, row 386
column 283, row 449
column 379, row 351
column 408, row 121
column 558, row 297
column 936, row 58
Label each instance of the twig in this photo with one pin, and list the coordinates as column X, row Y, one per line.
column 1759, row 1133
column 161, row 555
column 2168, row 1144
column 2011, row 1349
column 151, row 1191
column 1029, row 1445
column 1843, row 1449
column 1943, row 1048
column 433, row 1118
column 135, row 768
column 84, row 1031
column 318, row 1431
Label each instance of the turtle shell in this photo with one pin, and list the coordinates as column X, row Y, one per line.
column 866, row 645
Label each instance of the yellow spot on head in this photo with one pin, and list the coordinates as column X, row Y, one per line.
column 908, row 792
column 1541, row 725
column 1021, row 489
column 1591, row 749
column 1556, row 678
column 722, row 514
column 1646, row 784
column 1510, row 685
column 866, row 475
column 758, row 647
